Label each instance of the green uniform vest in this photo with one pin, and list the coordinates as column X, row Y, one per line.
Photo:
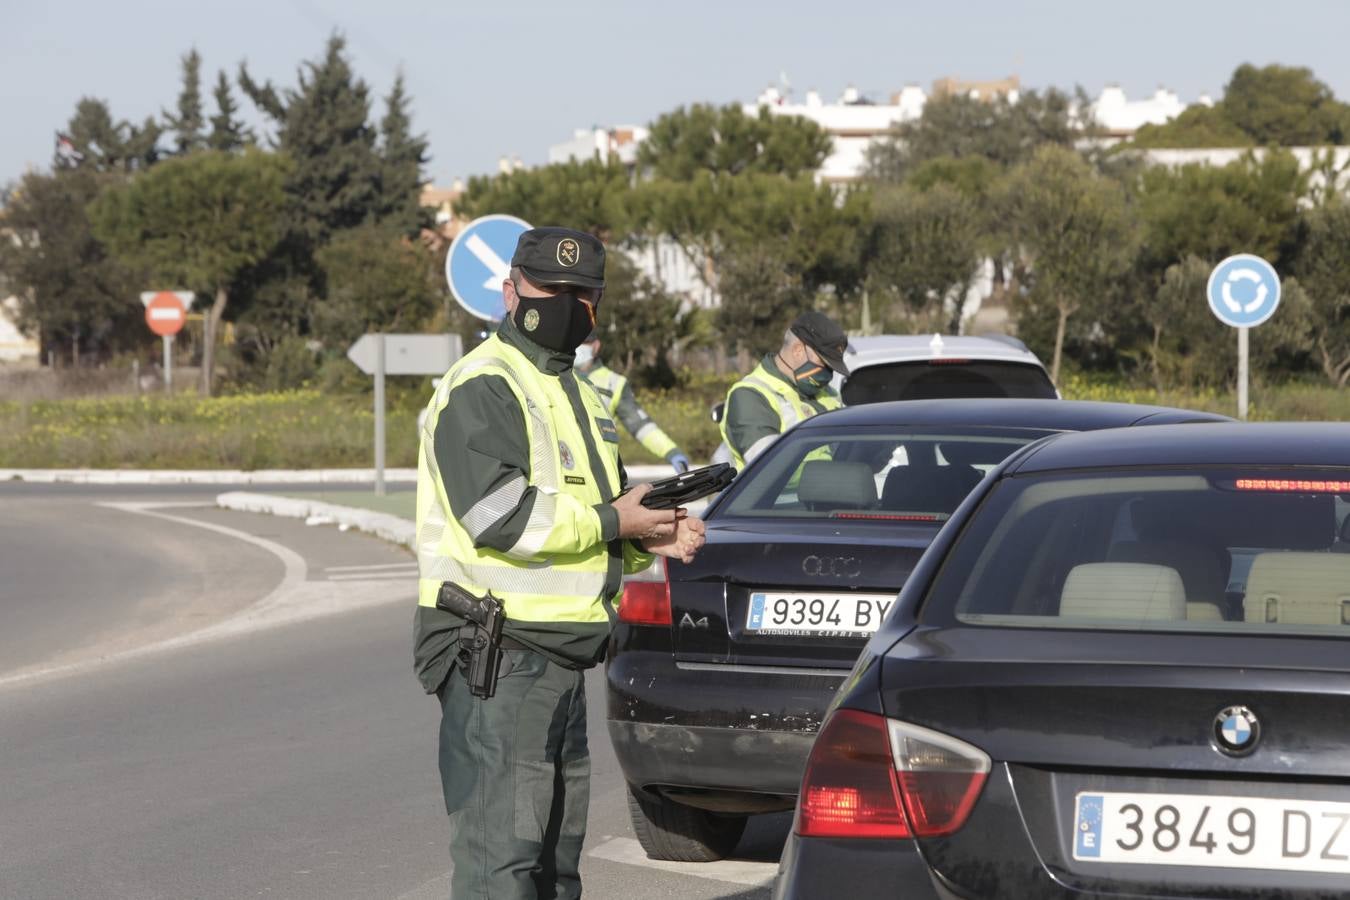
column 610, row 385
column 783, row 398
column 534, row 581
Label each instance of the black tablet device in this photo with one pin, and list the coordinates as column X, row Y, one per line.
column 683, row 489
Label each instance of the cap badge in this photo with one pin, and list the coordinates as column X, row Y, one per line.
column 531, row 319
column 569, row 252
column 565, row 456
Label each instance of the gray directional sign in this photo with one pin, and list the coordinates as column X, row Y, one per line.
column 400, row 354
column 407, row 354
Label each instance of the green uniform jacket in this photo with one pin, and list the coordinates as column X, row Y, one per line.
column 615, row 390
column 750, row 423
column 481, row 441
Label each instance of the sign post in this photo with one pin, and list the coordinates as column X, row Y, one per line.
column 478, row 263
column 165, row 313
column 400, row 354
column 1243, row 292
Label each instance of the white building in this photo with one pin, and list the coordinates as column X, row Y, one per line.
column 620, row 143
column 14, row 346
column 1119, row 117
column 852, row 122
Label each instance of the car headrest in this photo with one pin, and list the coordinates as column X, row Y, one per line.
column 828, row 484
column 1123, row 591
column 1299, row 589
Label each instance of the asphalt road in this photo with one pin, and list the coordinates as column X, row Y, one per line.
column 209, row 704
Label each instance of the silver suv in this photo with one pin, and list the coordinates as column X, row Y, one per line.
column 935, row 367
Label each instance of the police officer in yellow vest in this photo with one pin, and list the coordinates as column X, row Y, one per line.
column 623, row 406
column 786, row 387
column 518, row 494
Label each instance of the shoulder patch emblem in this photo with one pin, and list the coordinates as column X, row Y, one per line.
column 565, row 456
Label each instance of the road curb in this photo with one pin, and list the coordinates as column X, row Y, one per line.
column 395, row 529
column 204, row 476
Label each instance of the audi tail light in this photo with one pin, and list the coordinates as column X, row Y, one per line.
column 646, row 596
column 873, row 777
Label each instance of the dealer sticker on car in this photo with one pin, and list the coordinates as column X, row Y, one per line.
column 1229, row 832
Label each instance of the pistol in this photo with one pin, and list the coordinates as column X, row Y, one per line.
column 480, row 639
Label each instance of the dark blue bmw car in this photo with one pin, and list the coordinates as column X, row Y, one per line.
column 1121, row 669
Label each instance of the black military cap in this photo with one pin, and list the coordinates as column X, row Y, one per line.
column 823, row 335
column 561, row 256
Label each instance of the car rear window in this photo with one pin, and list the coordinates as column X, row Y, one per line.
column 880, row 475
column 1207, row 550
column 946, row 378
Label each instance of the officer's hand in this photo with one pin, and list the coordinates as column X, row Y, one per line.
column 637, row 521
column 678, row 461
column 689, row 536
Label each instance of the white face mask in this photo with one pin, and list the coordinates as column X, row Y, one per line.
column 584, row 356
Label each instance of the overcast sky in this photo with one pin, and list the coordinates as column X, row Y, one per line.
column 490, row 78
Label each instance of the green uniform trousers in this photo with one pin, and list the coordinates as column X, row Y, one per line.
column 516, row 774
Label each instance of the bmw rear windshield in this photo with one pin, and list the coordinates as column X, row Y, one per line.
column 881, row 474
column 941, row 379
column 1221, row 549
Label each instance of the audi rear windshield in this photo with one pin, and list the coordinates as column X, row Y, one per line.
column 872, row 475
column 1166, row 550
column 941, row 379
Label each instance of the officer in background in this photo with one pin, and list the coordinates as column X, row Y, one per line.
column 618, row 396
column 518, row 494
column 786, row 387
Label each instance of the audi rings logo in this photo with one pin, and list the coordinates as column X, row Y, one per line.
column 832, row 566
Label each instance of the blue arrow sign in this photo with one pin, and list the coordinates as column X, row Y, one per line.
column 1243, row 291
column 480, row 260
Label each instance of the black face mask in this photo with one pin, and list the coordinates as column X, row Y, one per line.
column 560, row 322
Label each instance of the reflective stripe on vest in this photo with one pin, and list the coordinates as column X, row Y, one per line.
column 553, row 587
column 783, row 398
column 609, row 384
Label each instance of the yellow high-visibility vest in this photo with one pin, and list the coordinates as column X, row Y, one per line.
column 783, row 398
column 534, row 581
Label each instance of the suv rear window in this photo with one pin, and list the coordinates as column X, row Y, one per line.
column 1207, row 550
column 917, row 475
column 942, row 379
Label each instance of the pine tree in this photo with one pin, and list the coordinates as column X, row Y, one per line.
column 402, row 155
column 322, row 126
column 189, row 124
column 93, row 140
column 227, row 132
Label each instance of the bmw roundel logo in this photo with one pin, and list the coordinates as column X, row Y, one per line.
column 1236, row 730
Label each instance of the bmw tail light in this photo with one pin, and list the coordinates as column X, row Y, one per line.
column 850, row 787
column 873, row 777
column 940, row 777
column 646, row 596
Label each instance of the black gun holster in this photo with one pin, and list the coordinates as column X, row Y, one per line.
column 480, row 638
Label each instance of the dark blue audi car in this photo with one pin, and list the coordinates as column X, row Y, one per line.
column 720, row 671
column 1122, row 669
